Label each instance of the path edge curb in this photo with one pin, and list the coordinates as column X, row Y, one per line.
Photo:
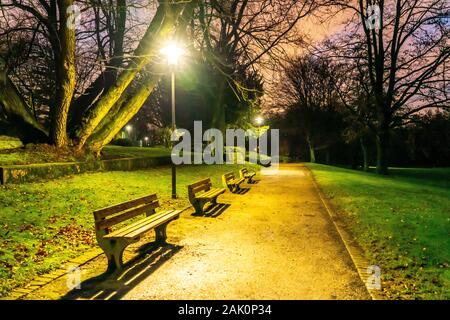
column 354, row 250
column 40, row 281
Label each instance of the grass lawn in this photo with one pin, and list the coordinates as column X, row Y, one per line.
column 402, row 222
column 114, row 152
column 48, row 154
column 44, row 224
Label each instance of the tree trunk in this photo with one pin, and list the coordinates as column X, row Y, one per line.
column 106, row 79
column 382, row 141
column 129, row 107
column 218, row 118
column 312, row 151
column 18, row 112
column 327, row 156
column 65, row 77
column 365, row 155
column 160, row 27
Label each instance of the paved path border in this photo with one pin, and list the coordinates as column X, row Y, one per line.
column 42, row 280
column 354, row 250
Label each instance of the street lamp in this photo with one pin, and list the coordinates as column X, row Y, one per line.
column 146, row 141
column 173, row 53
column 259, row 121
column 128, row 128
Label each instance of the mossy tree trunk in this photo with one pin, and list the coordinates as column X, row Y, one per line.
column 160, row 27
column 65, row 76
column 18, row 112
column 104, row 80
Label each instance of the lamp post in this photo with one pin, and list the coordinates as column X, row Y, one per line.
column 259, row 121
column 173, row 53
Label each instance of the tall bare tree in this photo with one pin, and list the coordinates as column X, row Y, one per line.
column 310, row 101
column 403, row 46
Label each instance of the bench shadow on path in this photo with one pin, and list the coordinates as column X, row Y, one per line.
column 216, row 210
column 242, row 191
column 115, row 286
column 213, row 211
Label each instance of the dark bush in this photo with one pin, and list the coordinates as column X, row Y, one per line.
column 124, row 142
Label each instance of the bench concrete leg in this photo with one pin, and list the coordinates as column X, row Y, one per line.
column 160, row 233
column 198, row 206
column 234, row 188
column 115, row 254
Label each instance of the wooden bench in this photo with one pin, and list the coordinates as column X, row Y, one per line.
column 230, row 182
column 114, row 242
column 245, row 174
column 201, row 193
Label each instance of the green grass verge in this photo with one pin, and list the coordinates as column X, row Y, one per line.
column 114, row 152
column 44, row 224
column 48, row 154
column 9, row 142
column 402, row 222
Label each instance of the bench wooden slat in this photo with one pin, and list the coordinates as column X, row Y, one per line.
column 198, row 198
column 199, row 183
column 211, row 194
column 106, row 223
column 153, row 224
column 204, row 187
column 245, row 174
column 207, row 193
column 229, row 175
column 113, row 242
column 231, row 182
column 102, row 213
column 136, row 225
column 144, row 223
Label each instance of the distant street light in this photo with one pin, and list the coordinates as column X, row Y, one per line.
column 259, row 120
column 128, row 128
column 173, row 53
column 146, row 141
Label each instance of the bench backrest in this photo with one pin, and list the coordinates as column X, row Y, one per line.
column 243, row 171
column 108, row 217
column 228, row 176
column 199, row 186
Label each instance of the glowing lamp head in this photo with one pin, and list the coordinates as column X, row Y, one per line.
column 128, row 128
column 146, row 138
column 259, row 120
column 173, row 53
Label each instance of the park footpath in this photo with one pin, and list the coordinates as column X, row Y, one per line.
column 276, row 241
